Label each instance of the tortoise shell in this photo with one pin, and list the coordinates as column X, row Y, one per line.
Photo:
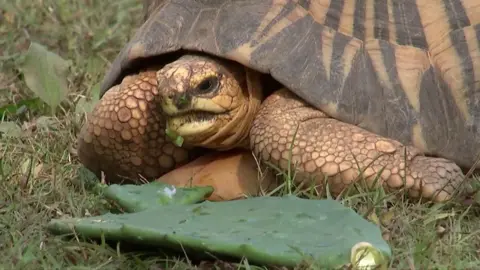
column 408, row 70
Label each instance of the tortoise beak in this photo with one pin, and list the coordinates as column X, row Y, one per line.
column 175, row 103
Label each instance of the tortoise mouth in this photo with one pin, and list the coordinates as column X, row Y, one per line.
column 192, row 123
column 193, row 116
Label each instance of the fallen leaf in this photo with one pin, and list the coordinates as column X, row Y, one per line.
column 387, row 217
column 46, row 74
column 373, row 218
column 26, row 166
column 10, row 129
column 46, row 123
column 37, row 170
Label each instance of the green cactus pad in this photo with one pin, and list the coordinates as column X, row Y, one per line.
column 136, row 198
column 266, row 230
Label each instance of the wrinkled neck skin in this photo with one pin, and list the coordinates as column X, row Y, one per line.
column 236, row 133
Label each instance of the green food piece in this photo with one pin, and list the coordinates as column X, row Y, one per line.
column 177, row 139
column 136, row 198
column 266, row 230
column 183, row 99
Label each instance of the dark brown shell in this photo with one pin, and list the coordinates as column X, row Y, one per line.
column 408, row 70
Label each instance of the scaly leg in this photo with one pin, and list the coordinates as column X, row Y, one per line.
column 327, row 147
column 125, row 133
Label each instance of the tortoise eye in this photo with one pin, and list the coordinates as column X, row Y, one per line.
column 208, row 85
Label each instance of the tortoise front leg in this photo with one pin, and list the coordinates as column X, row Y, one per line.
column 323, row 146
column 125, row 133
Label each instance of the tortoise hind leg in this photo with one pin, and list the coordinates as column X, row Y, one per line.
column 323, row 146
column 233, row 175
column 124, row 135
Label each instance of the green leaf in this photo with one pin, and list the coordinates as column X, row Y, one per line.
column 28, row 256
column 19, row 108
column 10, row 129
column 45, row 74
column 284, row 231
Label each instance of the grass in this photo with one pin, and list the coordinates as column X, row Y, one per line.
column 39, row 171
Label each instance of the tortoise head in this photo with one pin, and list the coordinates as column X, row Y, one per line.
column 208, row 101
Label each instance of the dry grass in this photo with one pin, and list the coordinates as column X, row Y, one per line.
column 40, row 177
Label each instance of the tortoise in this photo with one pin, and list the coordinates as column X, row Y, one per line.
column 389, row 89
